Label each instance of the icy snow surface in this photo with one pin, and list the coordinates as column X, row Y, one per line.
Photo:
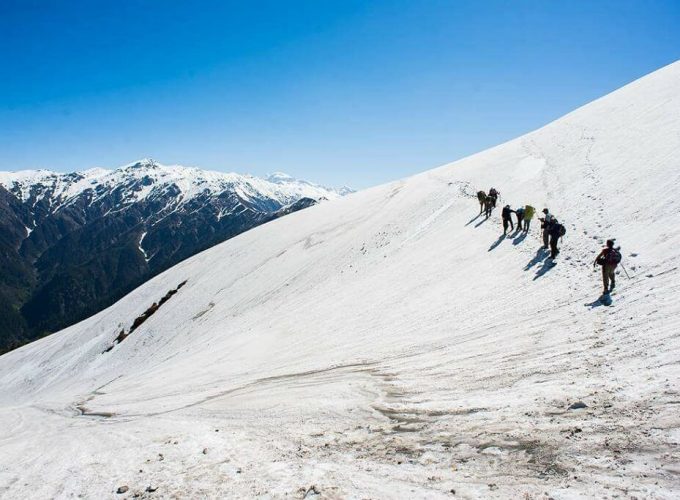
column 391, row 344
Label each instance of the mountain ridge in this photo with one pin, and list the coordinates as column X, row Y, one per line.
column 89, row 237
column 191, row 180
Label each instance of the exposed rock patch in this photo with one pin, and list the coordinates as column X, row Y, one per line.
column 139, row 320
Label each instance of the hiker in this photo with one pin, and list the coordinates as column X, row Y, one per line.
column 555, row 231
column 608, row 258
column 546, row 221
column 506, row 215
column 520, row 217
column 528, row 215
column 481, row 197
column 488, row 206
column 493, row 194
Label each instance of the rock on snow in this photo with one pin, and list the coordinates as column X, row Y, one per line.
column 388, row 344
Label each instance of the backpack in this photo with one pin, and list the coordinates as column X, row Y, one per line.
column 562, row 230
column 613, row 257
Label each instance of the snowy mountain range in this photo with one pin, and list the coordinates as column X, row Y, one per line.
column 390, row 344
column 76, row 242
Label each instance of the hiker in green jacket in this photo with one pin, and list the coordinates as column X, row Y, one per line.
column 528, row 215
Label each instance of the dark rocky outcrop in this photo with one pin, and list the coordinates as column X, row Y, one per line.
column 139, row 320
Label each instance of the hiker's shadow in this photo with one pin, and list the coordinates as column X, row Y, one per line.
column 541, row 255
column 596, row 303
column 519, row 239
column 548, row 264
column 474, row 219
column 481, row 221
column 497, row 242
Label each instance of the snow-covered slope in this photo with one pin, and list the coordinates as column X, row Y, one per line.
column 391, row 343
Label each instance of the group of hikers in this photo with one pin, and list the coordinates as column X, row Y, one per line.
column 552, row 230
column 524, row 216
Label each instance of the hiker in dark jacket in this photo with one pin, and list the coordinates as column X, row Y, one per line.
column 493, row 194
column 520, row 217
column 506, row 215
column 481, row 198
column 554, row 233
column 608, row 258
column 488, row 206
column 546, row 220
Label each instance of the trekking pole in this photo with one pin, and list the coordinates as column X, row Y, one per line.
column 624, row 270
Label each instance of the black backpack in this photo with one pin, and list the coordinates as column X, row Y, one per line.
column 562, row 230
column 613, row 257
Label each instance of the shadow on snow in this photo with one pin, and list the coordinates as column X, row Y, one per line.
column 474, row 219
column 497, row 242
column 519, row 239
column 541, row 257
column 481, row 221
column 596, row 303
column 548, row 264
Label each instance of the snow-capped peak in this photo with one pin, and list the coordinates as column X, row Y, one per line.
column 143, row 163
column 280, row 178
column 145, row 177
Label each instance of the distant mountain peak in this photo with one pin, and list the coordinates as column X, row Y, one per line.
column 142, row 163
column 280, row 177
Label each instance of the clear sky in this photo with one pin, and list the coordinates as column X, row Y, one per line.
column 338, row 92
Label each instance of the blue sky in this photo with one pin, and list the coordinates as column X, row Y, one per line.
column 345, row 92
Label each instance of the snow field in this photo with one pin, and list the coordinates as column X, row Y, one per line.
column 391, row 344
